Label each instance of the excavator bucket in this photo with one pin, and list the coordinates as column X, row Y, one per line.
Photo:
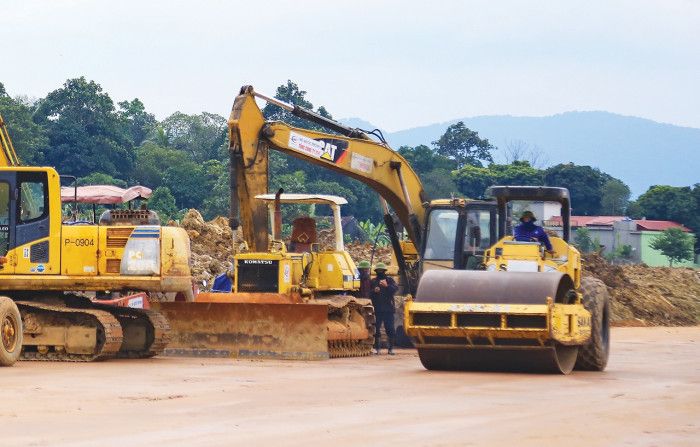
column 240, row 328
column 504, row 321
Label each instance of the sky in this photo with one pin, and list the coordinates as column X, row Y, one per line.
column 397, row 64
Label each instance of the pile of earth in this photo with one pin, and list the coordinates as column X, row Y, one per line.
column 648, row 296
column 210, row 243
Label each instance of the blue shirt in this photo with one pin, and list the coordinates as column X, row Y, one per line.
column 529, row 232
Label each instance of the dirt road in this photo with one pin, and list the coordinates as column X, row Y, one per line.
column 649, row 396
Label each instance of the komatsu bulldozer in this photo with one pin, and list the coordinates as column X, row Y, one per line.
column 45, row 262
column 529, row 309
column 293, row 301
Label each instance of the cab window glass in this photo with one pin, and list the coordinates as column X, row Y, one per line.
column 442, row 232
column 478, row 230
column 32, row 197
column 4, row 218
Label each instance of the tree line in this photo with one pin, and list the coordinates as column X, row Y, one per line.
column 79, row 129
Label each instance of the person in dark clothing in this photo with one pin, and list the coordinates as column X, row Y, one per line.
column 527, row 231
column 365, row 278
column 383, row 289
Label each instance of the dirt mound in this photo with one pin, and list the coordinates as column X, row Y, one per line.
column 648, row 296
column 210, row 243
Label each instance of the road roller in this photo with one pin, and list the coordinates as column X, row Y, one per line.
column 526, row 308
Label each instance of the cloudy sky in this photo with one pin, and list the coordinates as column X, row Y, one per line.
column 397, row 64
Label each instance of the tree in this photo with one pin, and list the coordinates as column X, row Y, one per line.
column 519, row 150
column 585, row 185
column 202, row 137
column 438, row 184
column 473, row 181
column 100, row 178
column 583, row 241
column 85, row 132
column 675, row 244
column 423, row 159
column 153, row 160
column 615, row 197
column 679, row 204
column 163, row 202
column 186, row 183
column 292, row 94
column 29, row 139
column 464, row 146
column 139, row 122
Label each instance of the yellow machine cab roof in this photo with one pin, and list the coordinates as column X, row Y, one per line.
column 322, row 199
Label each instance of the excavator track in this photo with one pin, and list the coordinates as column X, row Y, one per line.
column 146, row 332
column 109, row 334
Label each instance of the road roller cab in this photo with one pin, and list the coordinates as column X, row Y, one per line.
column 528, row 310
column 509, row 254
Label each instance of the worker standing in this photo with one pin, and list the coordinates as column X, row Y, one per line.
column 364, row 268
column 382, row 293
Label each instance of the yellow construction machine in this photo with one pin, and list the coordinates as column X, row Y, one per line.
column 528, row 310
column 447, row 240
column 316, row 314
column 294, row 301
column 45, row 261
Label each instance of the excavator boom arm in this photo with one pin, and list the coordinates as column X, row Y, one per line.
column 8, row 156
column 352, row 154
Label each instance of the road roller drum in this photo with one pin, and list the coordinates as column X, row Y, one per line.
column 508, row 321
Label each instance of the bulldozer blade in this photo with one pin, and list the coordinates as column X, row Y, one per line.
column 247, row 330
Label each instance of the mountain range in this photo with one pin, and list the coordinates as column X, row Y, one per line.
column 638, row 151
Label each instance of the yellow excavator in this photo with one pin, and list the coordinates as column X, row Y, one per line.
column 46, row 262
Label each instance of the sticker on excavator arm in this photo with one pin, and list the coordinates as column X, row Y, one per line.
column 331, row 150
column 361, row 163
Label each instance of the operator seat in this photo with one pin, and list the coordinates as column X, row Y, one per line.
column 303, row 234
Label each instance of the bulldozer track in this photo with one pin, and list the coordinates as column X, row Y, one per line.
column 109, row 332
column 355, row 348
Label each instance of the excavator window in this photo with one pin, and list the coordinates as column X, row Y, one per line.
column 478, row 230
column 32, row 192
column 442, row 231
column 4, row 218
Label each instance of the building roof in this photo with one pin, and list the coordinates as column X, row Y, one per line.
column 584, row 221
column 658, row 225
column 608, row 221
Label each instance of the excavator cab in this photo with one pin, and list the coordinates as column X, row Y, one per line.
column 457, row 234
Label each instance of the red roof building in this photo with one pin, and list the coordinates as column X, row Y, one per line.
column 608, row 221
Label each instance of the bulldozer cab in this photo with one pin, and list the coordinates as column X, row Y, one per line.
column 304, row 234
column 303, row 259
column 457, row 233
